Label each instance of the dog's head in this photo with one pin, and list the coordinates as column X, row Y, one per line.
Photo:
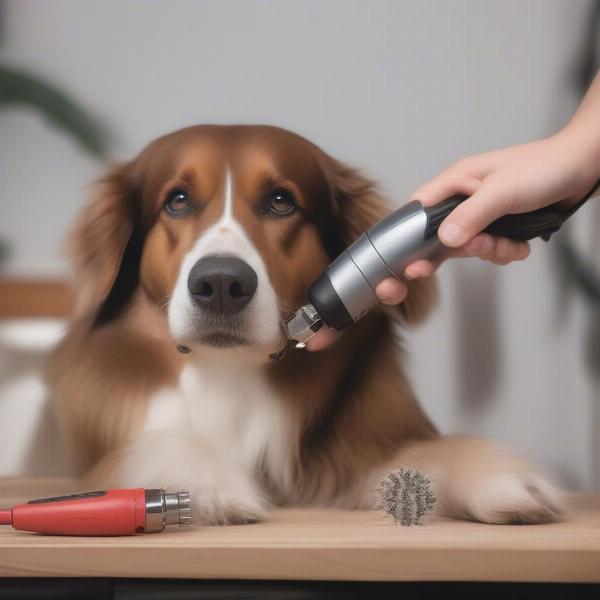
column 224, row 228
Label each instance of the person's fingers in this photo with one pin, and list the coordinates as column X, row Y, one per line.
column 500, row 261
column 457, row 179
column 507, row 251
column 473, row 215
column 504, row 249
column 421, row 268
column 391, row 291
column 510, row 250
column 322, row 339
column 524, row 250
column 435, row 191
column 481, row 244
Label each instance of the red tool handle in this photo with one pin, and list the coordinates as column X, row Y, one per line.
column 112, row 512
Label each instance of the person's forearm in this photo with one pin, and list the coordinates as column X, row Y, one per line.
column 582, row 132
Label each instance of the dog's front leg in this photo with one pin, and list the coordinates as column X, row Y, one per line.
column 222, row 490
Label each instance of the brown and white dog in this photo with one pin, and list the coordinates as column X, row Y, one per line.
column 210, row 239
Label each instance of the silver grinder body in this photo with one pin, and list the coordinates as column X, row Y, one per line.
column 345, row 291
column 383, row 251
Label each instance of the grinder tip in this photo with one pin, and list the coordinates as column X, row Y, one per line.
column 304, row 324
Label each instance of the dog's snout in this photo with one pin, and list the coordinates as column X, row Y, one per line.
column 222, row 284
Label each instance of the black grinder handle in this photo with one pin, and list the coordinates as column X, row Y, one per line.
column 542, row 222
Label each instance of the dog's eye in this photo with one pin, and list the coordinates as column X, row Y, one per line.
column 177, row 203
column 281, row 203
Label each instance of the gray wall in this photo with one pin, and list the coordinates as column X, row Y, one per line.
column 399, row 88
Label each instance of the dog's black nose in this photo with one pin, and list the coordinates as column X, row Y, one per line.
column 222, row 284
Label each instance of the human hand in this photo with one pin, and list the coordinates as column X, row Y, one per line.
column 513, row 180
column 518, row 179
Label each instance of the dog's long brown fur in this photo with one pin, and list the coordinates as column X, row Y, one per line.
column 352, row 404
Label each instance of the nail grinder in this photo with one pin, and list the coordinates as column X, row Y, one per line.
column 110, row 512
column 345, row 291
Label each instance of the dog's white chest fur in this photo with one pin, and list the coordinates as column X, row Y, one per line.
column 232, row 410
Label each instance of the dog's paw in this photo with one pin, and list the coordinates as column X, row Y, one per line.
column 477, row 479
column 221, row 491
column 523, row 498
column 228, row 501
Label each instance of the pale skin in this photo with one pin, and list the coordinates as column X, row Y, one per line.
column 518, row 179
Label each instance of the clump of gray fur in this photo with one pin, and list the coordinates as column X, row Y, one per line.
column 407, row 496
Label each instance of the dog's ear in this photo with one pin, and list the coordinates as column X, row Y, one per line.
column 356, row 206
column 105, row 247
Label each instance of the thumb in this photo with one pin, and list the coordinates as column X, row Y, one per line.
column 473, row 215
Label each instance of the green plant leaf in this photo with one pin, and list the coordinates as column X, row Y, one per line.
column 20, row 88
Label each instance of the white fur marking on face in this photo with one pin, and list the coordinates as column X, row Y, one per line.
column 228, row 204
column 228, row 237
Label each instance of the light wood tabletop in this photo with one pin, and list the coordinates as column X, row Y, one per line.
column 316, row 545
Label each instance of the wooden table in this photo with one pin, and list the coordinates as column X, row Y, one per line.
column 314, row 545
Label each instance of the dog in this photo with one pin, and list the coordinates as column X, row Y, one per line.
column 208, row 241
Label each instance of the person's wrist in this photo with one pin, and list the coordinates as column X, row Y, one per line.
column 582, row 149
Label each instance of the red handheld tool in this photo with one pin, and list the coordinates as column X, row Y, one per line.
column 110, row 512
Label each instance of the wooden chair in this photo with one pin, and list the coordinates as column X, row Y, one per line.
column 34, row 298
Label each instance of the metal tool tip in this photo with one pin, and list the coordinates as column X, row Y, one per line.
column 185, row 508
column 304, row 324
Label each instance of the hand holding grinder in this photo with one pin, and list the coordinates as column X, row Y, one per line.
column 345, row 291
